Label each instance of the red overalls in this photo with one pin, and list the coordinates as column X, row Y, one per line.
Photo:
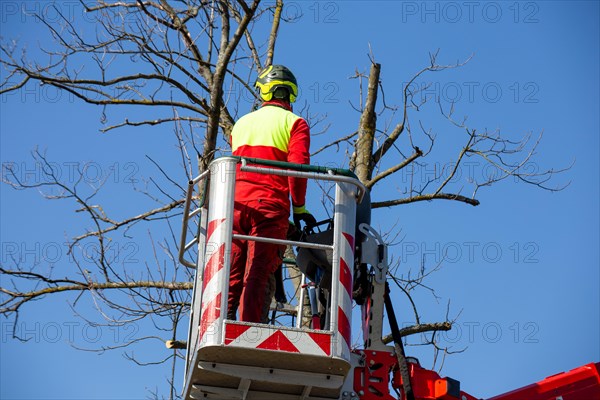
column 262, row 205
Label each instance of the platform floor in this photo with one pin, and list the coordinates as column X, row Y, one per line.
column 203, row 375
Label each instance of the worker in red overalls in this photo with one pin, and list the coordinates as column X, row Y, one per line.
column 262, row 202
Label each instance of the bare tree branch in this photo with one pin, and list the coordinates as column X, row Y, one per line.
column 274, row 32
column 428, row 197
column 418, row 153
column 362, row 164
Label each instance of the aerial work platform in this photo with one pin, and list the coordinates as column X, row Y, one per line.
column 239, row 360
column 285, row 360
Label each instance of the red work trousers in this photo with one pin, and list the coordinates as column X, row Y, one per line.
column 253, row 262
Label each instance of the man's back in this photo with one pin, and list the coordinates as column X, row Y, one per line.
column 272, row 132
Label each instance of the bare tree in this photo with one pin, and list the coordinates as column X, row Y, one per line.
column 177, row 60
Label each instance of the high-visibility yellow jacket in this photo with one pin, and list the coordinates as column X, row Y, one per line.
column 272, row 132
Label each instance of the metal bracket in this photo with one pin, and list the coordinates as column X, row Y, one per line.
column 305, row 393
column 374, row 252
column 372, row 379
column 243, row 387
column 349, row 396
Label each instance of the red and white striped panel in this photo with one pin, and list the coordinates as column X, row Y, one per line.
column 277, row 339
column 212, row 283
column 345, row 292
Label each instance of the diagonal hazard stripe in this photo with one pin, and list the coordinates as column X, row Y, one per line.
column 344, row 326
column 323, row 341
column 234, row 331
column 214, row 265
column 278, row 341
column 306, row 342
column 212, row 226
column 289, row 340
column 350, row 240
column 210, row 314
column 346, row 276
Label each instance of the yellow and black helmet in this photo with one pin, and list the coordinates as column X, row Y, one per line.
column 276, row 77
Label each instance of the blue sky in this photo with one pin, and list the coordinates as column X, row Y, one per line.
column 522, row 268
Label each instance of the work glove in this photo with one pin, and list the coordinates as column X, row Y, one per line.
column 293, row 232
column 302, row 214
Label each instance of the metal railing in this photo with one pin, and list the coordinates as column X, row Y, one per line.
column 280, row 168
column 183, row 246
column 305, row 171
